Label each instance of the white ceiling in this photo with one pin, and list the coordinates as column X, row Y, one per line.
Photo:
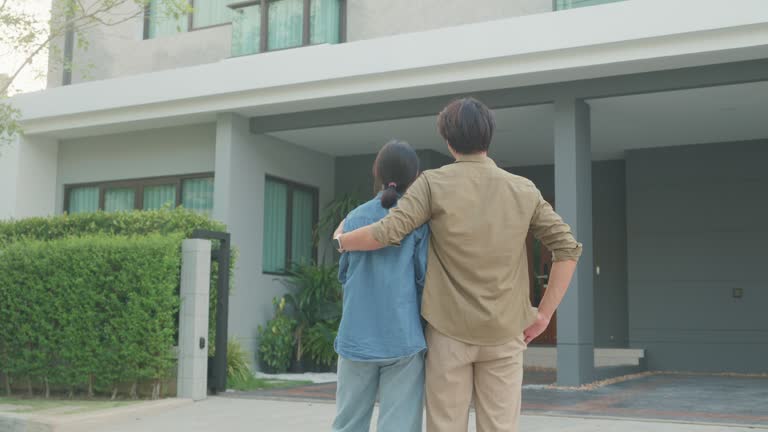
column 525, row 135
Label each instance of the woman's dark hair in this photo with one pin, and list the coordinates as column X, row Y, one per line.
column 467, row 125
column 395, row 168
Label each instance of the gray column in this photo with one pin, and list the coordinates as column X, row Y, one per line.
column 193, row 319
column 573, row 198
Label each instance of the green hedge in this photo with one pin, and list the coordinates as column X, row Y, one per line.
column 163, row 221
column 87, row 312
column 136, row 223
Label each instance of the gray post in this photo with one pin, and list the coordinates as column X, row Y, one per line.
column 573, row 198
column 193, row 319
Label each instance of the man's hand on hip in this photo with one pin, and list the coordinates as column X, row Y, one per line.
column 537, row 328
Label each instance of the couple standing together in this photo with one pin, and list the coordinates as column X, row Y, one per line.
column 461, row 264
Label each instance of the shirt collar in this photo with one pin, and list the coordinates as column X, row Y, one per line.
column 476, row 157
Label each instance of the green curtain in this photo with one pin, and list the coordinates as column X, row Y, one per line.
column 83, row 200
column 570, row 4
column 119, row 199
column 211, row 12
column 325, row 21
column 303, row 219
column 246, row 31
column 197, row 195
column 155, row 197
column 275, row 215
column 285, row 24
column 161, row 24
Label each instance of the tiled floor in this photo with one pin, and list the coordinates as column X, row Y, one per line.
column 688, row 398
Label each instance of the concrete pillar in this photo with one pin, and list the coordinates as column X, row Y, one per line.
column 193, row 319
column 28, row 170
column 573, row 192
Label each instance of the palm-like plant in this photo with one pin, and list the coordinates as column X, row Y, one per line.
column 315, row 296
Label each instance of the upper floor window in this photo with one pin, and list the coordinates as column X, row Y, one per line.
column 194, row 192
column 570, row 4
column 205, row 13
column 266, row 25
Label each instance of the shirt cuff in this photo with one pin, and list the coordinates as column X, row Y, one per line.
column 379, row 233
column 568, row 254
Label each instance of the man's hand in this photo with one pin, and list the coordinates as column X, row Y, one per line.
column 537, row 328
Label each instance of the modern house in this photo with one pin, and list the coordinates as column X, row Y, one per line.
column 644, row 121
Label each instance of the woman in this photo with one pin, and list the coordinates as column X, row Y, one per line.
column 381, row 340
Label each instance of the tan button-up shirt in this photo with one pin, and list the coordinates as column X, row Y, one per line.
column 477, row 286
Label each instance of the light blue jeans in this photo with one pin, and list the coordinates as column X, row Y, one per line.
column 399, row 385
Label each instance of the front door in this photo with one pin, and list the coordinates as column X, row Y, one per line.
column 539, row 265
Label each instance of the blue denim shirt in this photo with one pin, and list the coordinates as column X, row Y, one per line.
column 381, row 319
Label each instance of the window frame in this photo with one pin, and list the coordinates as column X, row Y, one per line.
column 306, row 30
column 138, row 186
column 291, row 186
column 190, row 21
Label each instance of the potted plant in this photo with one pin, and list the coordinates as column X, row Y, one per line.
column 315, row 297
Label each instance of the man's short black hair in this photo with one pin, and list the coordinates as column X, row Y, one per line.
column 468, row 125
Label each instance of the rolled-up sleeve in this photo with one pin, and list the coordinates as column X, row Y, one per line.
column 413, row 210
column 556, row 235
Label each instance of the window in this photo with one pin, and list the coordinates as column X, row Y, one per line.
column 570, row 4
column 205, row 13
column 267, row 25
column 194, row 192
column 290, row 215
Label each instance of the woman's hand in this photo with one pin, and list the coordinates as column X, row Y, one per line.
column 537, row 328
column 340, row 230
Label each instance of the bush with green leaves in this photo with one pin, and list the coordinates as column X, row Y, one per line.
column 276, row 339
column 314, row 297
column 238, row 367
column 89, row 312
column 176, row 221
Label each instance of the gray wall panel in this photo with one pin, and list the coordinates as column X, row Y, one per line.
column 696, row 231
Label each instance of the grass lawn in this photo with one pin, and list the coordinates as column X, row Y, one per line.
column 253, row 383
column 61, row 406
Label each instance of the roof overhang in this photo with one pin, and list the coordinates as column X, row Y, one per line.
column 610, row 40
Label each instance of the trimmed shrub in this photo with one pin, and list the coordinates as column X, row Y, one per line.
column 89, row 312
column 176, row 221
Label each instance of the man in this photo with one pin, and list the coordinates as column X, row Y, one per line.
column 476, row 292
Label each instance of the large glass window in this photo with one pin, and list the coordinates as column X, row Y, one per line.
column 265, row 25
column 570, row 4
column 290, row 215
column 194, row 192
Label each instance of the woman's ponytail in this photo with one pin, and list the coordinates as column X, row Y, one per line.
column 389, row 197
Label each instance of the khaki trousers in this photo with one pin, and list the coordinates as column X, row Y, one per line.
column 457, row 371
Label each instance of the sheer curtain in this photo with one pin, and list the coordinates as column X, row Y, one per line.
column 161, row 24
column 83, row 200
column 211, row 12
column 197, row 194
column 246, row 31
column 119, row 199
column 275, row 215
column 285, row 24
column 303, row 218
column 325, row 21
column 155, row 197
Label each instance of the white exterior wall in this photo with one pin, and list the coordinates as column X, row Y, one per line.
column 151, row 153
column 369, row 19
column 121, row 50
column 242, row 162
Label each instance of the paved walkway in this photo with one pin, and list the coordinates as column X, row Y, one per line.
column 685, row 398
column 248, row 415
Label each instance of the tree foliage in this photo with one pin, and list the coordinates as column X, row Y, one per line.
column 30, row 35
